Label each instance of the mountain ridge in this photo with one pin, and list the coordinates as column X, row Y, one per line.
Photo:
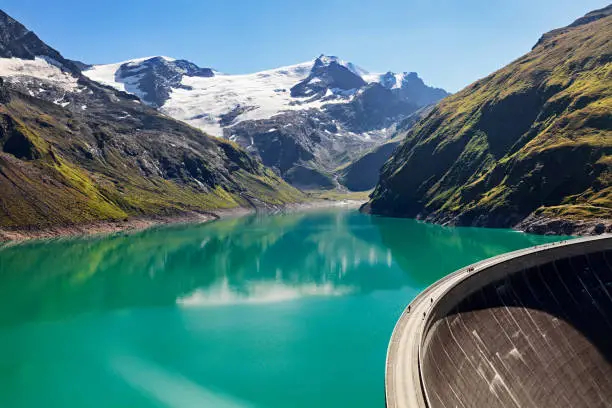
column 302, row 120
column 16, row 41
column 298, row 75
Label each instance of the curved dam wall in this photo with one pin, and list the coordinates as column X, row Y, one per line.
column 534, row 330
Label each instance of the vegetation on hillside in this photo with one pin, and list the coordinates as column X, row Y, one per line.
column 534, row 138
column 60, row 168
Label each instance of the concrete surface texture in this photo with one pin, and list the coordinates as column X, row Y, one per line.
column 532, row 328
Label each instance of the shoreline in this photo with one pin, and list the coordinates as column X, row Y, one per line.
column 538, row 225
column 533, row 224
column 142, row 223
column 541, row 225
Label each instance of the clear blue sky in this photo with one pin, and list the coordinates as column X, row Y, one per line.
column 450, row 43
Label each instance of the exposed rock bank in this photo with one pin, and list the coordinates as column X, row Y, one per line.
column 558, row 226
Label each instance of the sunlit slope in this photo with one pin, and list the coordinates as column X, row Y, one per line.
column 59, row 168
column 533, row 138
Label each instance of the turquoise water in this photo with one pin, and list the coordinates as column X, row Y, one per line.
column 289, row 310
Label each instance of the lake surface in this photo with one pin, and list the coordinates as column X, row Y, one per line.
column 291, row 310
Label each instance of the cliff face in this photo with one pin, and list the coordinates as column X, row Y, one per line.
column 533, row 139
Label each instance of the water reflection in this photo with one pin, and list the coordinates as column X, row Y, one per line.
column 223, row 294
column 427, row 252
column 170, row 388
column 240, row 260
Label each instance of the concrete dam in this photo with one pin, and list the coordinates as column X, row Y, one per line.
column 531, row 328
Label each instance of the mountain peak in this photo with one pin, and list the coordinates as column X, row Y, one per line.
column 213, row 101
column 16, row 41
column 11, row 29
column 412, row 77
column 166, row 66
column 326, row 60
column 329, row 73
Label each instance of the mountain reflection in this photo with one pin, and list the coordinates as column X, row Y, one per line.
column 254, row 259
column 233, row 261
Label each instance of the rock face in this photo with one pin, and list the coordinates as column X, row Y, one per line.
column 328, row 74
column 304, row 120
column 154, row 79
column 534, row 138
column 375, row 107
column 73, row 151
column 298, row 145
column 547, row 225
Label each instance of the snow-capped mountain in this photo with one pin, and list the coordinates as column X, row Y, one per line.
column 303, row 120
column 152, row 79
column 32, row 65
column 329, row 76
column 213, row 101
column 17, row 42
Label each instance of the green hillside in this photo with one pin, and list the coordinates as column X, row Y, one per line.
column 62, row 168
column 533, row 139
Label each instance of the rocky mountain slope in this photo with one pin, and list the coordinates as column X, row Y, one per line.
column 362, row 173
column 303, row 120
column 73, row 151
column 529, row 146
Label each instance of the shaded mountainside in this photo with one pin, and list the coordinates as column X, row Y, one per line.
column 304, row 147
column 73, row 151
column 362, row 173
column 530, row 141
column 63, row 167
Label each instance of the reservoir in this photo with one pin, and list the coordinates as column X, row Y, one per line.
column 289, row 310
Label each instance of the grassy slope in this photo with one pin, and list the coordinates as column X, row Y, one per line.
column 533, row 137
column 48, row 177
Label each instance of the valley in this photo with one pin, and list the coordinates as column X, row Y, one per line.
column 237, row 220
column 156, row 139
